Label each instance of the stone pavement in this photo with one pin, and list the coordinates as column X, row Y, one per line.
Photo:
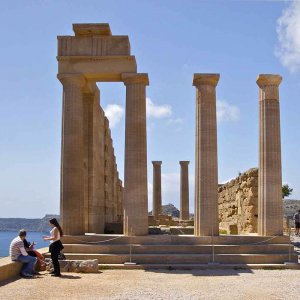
column 159, row 284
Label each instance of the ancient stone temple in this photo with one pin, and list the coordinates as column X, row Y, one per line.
column 91, row 192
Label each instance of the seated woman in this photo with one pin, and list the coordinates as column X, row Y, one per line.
column 29, row 247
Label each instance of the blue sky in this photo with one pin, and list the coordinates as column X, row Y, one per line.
column 171, row 40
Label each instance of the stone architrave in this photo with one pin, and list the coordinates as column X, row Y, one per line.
column 184, row 190
column 206, row 169
column 135, row 170
column 72, row 162
column 156, row 211
column 270, row 211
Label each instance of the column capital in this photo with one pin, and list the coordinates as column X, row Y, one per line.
column 156, row 162
column 263, row 80
column 184, row 162
column 77, row 79
column 132, row 78
column 205, row 79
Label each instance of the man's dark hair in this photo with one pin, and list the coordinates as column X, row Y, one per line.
column 22, row 233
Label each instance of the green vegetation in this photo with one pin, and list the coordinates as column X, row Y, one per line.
column 286, row 191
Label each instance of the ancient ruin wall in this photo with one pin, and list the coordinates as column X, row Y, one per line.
column 237, row 201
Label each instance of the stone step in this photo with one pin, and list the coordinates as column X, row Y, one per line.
column 174, row 239
column 185, row 249
column 185, row 258
column 171, row 267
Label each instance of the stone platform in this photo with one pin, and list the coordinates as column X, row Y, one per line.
column 180, row 250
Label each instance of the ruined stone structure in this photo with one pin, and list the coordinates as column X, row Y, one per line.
column 91, row 192
column 238, row 203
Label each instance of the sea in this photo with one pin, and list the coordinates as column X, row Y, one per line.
column 7, row 236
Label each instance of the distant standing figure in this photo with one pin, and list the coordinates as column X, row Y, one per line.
column 297, row 222
column 55, row 245
column 17, row 252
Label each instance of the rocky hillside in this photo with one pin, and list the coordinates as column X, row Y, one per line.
column 169, row 209
column 15, row 224
column 291, row 207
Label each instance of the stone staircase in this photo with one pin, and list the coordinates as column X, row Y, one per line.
column 170, row 251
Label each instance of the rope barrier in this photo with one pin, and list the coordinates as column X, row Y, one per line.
column 98, row 242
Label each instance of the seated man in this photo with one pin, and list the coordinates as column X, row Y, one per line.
column 18, row 253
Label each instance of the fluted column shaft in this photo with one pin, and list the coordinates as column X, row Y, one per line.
column 135, row 177
column 206, row 169
column 156, row 211
column 184, row 190
column 72, row 158
column 270, row 211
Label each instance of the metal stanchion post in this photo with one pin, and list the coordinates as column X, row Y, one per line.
column 213, row 249
column 130, row 263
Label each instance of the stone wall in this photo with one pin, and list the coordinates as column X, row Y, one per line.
column 238, row 203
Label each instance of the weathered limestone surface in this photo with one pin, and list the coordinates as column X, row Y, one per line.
column 72, row 161
column 270, row 211
column 135, row 170
column 156, row 189
column 77, row 266
column 95, row 52
column 238, row 203
column 206, row 165
column 184, row 190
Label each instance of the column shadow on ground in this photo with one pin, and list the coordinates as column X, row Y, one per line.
column 205, row 272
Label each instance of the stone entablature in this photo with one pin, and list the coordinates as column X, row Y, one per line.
column 237, row 201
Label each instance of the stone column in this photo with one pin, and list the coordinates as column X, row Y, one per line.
column 156, row 211
column 184, row 190
column 88, row 103
column 94, row 137
column 270, row 211
column 72, row 156
column 206, row 168
column 135, row 170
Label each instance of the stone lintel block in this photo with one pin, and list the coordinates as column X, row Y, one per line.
column 92, row 29
column 98, row 68
column 268, row 79
column 206, row 79
column 132, row 78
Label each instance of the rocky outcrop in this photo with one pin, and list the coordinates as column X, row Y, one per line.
column 77, row 266
column 237, row 201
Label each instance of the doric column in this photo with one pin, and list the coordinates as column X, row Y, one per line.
column 156, row 211
column 72, row 156
column 94, row 164
column 184, row 190
column 135, row 170
column 270, row 212
column 206, row 168
column 88, row 103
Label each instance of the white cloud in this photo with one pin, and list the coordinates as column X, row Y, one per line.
column 175, row 121
column 227, row 112
column 288, row 34
column 158, row 111
column 114, row 113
